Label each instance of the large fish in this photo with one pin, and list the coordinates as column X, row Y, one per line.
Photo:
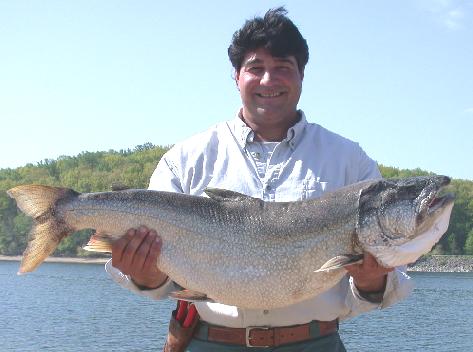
column 239, row 250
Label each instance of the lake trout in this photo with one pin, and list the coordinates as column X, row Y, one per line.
column 238, row 250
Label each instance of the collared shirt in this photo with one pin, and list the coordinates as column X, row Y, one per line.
column 309, row 162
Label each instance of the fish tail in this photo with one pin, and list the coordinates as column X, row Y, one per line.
column 99, row 243
column 39, row 202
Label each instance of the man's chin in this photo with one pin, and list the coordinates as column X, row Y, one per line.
column 275, row 113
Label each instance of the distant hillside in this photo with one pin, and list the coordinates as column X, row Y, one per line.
column 97, row 171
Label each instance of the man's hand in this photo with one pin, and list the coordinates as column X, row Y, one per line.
column 136, row 254
column 369, row 276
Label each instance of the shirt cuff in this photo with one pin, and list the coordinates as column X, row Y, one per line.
column 125, row 281
column 398, row 286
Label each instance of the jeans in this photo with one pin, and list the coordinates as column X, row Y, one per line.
column 329, row 343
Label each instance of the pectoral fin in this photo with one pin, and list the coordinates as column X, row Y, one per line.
column 341, row 261
column 190, row 296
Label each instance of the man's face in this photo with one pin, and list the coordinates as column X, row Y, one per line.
column 270, row 88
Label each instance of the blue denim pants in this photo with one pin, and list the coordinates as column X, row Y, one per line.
column 329, row 343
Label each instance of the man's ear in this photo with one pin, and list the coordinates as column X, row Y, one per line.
column 236, row 76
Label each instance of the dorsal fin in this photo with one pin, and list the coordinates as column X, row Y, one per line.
column 118, row 186
column 224, row 195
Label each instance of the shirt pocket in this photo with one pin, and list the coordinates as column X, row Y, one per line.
column 313, row 188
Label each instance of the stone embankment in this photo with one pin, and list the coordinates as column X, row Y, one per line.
column 443, row 263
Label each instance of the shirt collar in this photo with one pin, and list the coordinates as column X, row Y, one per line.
column 294, row 134
column 245, row 134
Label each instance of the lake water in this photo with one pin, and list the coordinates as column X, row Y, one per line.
column 76, row 307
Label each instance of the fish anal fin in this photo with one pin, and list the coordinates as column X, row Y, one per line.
column 341, row 261
column 99, row 242
column 190, row 296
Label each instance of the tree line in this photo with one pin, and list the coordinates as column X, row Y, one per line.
column 98, row 171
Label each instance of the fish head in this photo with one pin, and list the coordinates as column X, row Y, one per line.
column 401, row 219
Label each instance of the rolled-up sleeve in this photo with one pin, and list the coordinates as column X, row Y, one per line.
column 125, row 282
column 398, row 286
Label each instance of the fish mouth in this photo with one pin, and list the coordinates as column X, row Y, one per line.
column 439, row 202
column 437, row 199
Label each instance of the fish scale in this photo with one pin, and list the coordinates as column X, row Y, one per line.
column 242, row 251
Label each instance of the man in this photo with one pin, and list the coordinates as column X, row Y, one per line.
column 268, row 151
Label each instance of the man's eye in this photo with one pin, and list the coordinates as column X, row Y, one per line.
column 284, row 68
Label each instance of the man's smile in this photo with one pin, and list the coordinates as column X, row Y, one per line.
column 270, row 94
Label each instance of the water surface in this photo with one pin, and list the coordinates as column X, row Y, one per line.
column 76, row 307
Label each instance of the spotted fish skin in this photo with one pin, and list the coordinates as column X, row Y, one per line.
column 242, row 251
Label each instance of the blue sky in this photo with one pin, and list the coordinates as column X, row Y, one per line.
column 395, row 76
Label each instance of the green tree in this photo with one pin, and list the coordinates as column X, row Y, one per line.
column 469, row 243
column 453, row 245
column 98, row 171
column 86, row 172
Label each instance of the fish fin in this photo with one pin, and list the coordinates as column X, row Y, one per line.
column 39, row 202
column 118, row 186
column 190, row 296
column 222, row 195
column 99, row 242
column 341, row 261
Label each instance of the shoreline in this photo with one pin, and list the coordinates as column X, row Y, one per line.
column 431, row 263
column 443, row 264
column 75, row 260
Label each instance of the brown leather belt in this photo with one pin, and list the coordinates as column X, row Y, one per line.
column 264, row 336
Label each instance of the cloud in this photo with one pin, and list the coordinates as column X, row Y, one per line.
column 447, row 13
column 453, row 19
column 469, row 110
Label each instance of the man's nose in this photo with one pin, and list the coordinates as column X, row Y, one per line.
column 268, row 78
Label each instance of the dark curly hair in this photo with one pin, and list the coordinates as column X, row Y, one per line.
column 274, row 32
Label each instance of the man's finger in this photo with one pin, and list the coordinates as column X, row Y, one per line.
column 131, row 248
column 152, row 258
column 118, row 247
column 373, row 263
column 369, row 261
column 143, row 251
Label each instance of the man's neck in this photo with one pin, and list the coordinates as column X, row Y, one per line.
column 267, row 135
column 268, row 132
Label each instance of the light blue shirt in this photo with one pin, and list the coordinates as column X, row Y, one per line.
column 309, row 162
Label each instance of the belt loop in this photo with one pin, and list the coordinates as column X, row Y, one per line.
column 202, row 331
column 314, row 328
column 319, row 328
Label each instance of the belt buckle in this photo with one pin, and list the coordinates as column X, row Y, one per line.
column 248, row 331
